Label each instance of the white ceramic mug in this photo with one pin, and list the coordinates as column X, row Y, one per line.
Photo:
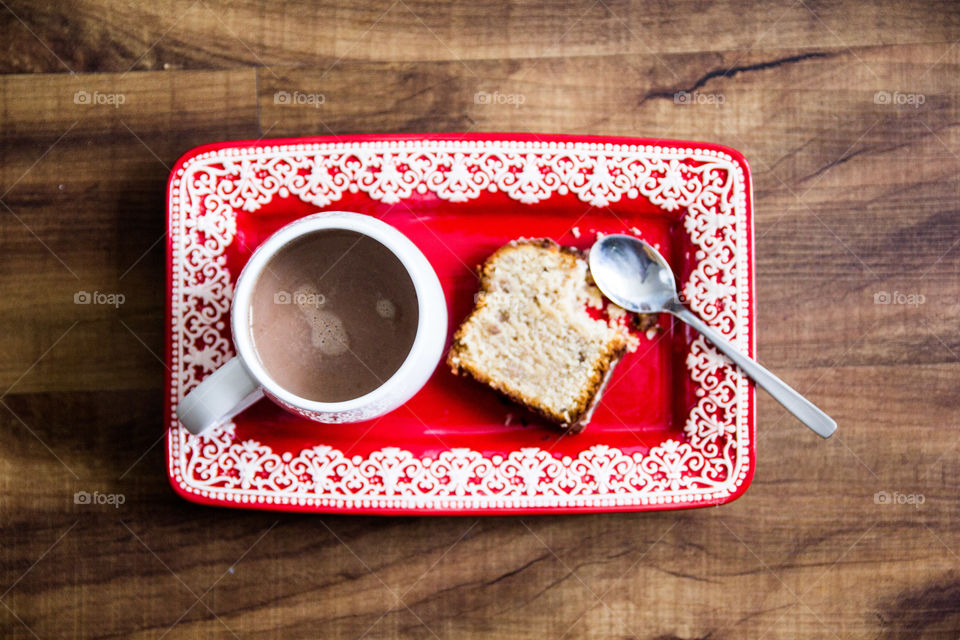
column 243, row 380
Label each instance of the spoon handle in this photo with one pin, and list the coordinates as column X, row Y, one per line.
column 806, row 411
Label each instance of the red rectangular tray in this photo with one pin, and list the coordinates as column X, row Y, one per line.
column 676, row 424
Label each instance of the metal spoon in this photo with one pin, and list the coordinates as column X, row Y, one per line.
column 633, row 275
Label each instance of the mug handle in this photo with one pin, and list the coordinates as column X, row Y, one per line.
column 222, row 395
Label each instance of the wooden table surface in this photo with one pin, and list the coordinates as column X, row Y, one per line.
column 856, row 194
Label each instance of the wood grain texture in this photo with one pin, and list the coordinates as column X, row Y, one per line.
column 852, row 198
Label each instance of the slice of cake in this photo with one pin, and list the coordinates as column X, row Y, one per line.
column 531, row 337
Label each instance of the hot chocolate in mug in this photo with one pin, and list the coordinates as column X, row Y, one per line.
column 337, row 317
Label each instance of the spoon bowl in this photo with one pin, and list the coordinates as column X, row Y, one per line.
column 633, row 275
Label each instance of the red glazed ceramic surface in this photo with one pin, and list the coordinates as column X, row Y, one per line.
column 676, row 425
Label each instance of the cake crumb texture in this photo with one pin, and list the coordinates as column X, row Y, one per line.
column 531, row 336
